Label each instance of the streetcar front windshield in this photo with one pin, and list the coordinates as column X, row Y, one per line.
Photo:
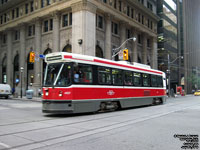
column 58, row 74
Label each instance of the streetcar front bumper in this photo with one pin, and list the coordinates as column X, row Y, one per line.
column 56, row 106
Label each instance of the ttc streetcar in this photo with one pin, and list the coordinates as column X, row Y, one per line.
column 75, row 83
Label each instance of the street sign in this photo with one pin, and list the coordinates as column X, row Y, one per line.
column 42, row 56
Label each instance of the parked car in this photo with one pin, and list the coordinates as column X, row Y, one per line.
column 5, row 90
column 197, row 93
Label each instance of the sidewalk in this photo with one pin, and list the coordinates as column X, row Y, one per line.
column 38, row 99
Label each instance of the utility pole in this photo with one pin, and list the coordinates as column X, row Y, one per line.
column 197, row 74
column 169, row 93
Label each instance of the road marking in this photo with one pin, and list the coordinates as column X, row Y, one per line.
column 6, row 146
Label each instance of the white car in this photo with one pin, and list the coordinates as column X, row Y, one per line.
column 5, row 90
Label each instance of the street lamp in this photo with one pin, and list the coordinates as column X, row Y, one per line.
column 116, row 51
column 169, row 92
column 21, row 70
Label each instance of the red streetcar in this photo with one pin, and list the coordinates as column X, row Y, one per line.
column 76, row 83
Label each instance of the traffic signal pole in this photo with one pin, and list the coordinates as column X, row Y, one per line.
column 116, row 51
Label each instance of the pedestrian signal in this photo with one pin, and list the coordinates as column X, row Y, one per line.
column 125, row 54
column 32, row 57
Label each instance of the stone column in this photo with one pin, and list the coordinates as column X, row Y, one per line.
column 37, row 65
column 84, row 28
column 9, row 66
column 108, row 37
column 56, row 32
column 144, row 48
column 122, row 30
column 154, row 53
column 22, row 57
column 135, row 51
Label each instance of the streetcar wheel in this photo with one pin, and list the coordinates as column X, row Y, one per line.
column 157, row 101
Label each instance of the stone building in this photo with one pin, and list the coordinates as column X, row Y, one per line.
column 89, row 27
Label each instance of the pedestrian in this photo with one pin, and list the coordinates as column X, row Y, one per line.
column 39, row 92
column 172, row 92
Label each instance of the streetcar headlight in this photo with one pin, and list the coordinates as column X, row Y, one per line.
column 60, row 93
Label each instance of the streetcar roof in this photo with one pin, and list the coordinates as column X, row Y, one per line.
column 71, row 57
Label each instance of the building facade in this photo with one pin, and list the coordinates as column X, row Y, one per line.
column 169, row 47
column 191, row 32
column 89, row 27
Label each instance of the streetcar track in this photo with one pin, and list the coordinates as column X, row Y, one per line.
column 95, row 130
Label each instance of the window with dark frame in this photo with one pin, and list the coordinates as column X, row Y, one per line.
column 146, row 80
column 154, row 81
column 46, row 26
column 5, row 18
column 1, row 19
column 65, row 20
column 17, row 35
column 139, row 39
column 100, row 22
column 150, row 6
column 115, row 4
column 105, row 1
column 70, row 19
column 104, row 75
column 132, row 13
column 142, row 19
column 128, row 11
column 139, row 20
column 42, row 3
column 29, row 30
column 120, row 5
column 17, row 12
column 13, row 14
column 117, row 76
column 128, row 78
column 32, row 6
column 160, row 81
column 48, row 2
column 137, row 79
column 83, row 74
column 128, row 33
column 51, row 24
column 115, row 28
column 26, row 8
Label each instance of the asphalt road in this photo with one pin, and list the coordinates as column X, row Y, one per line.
column 162, row 127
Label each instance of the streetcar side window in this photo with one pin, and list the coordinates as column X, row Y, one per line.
column 117, row 77
column 160, row 81
column 146, row 80
column 83, row 74
column 104, row 75
column 128, row 78
column 137, row 79
column 154, row 81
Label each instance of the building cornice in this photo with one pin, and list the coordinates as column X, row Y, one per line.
column 83, row 5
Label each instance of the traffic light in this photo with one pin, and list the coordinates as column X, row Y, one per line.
column 32, row 57
column 125, row 54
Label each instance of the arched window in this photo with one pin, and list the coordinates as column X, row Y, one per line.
column 99, row 52
column 16, row 70
column 4, row 77
column 67, row 48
